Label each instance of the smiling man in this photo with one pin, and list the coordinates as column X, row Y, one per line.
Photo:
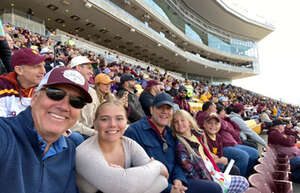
column 155, row 136
column 16, row 87
column 85, row 123
column 34, row 155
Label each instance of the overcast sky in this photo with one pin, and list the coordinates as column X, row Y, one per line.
column 279, row 52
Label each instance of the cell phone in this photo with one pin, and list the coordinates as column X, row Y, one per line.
column 2, row 32
column 125, row 93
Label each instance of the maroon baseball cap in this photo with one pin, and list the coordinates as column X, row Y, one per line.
column 151, row 83
column 65, row 75
column 210, row 116
column 26, row 56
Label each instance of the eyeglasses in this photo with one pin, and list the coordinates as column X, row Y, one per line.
column 57, row 94
column 165, row 145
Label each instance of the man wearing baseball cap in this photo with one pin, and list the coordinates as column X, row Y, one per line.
column 155, row 136
column 16, row 87
column 85, row 122
column 126, row 91
column 34, row 154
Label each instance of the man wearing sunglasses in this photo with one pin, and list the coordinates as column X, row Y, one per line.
column 16, row 87
column 155, row 136
column 85, row 123
column 34, row 154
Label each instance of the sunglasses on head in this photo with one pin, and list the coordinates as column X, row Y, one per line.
column 57, row 94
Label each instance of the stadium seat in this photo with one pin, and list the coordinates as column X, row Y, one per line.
column 276, row 175
column 252, row 190
column 258, row 181
column 266, row 185
column 273, row 166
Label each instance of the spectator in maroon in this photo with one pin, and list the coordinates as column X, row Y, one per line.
column 181, row 100
column 207, row 108
column 285, row 144
column 16, row 88
column 289, row 130
column 152, row 89
column 245, row 157
column 230, row 131
column 127, row 70
column 215, row 142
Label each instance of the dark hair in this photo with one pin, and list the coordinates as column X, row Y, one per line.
column 220, row 108
column 206, row 105
column 236, row 110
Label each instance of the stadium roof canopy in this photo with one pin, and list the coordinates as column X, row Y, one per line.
column 103, row 27
column 230, row 19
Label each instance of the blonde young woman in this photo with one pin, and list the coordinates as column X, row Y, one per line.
column 112, row 163
column 102, row 86
column 196, row 159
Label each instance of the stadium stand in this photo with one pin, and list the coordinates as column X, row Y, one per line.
column 60, row 47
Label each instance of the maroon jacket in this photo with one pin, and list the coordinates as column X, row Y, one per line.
column 277, row 138
column 289, row 131
column 182, row 103
column 230, row 132
column 284, row 144
column 200, row 118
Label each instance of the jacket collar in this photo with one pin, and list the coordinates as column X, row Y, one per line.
column 146, row 125
column 35, row 139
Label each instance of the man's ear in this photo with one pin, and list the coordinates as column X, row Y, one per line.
column 18, row 70
column 34, row 96
column 151, row 110
column 77, row 67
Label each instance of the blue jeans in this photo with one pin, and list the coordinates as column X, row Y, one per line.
column 205, row 186
column 295, row 162
column 245, row 157
column 77, row 138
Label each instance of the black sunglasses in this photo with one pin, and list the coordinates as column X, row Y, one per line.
column 57, row 94
column 165, row 145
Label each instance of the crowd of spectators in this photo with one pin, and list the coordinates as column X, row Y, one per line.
column 137, row 89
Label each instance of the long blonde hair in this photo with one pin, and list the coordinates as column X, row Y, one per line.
column 102, row 96
column 193, row 126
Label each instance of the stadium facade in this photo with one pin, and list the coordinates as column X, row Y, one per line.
column 210, row 39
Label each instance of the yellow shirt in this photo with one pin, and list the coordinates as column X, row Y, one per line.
column 194, row 139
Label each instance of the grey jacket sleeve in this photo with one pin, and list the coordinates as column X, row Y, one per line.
column 247, row 132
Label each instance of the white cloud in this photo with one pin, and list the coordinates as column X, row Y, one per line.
column 279, row 52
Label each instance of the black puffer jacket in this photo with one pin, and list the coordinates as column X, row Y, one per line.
column 135, row 111
column 5, row 57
